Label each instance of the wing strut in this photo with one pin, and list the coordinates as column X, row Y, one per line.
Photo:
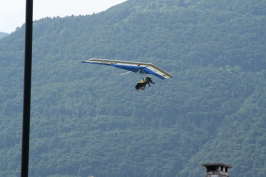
column 141, row 71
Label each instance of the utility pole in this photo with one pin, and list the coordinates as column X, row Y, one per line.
column 27, row 90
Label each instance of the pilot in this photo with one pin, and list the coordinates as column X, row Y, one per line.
column 142, row 84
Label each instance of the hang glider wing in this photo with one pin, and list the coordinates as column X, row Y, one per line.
column 137, row 67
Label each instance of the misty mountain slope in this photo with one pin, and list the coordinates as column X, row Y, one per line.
column 182, row 27
column 2, row 34
column 89, row 120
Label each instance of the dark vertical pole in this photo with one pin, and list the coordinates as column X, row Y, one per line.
column 27, row 90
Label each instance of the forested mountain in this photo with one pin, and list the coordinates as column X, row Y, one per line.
column 2, row 34
column 88, row 120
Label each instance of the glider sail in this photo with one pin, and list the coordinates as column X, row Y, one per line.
column 137, row 67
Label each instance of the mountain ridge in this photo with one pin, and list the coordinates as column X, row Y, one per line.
column 3, row 34
column 88, row 120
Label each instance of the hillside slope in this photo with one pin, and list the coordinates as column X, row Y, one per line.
column 2, row 34
column 89, row 120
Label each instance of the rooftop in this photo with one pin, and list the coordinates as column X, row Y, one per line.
column 216, row 164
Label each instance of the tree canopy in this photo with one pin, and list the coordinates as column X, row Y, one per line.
column 88, row 120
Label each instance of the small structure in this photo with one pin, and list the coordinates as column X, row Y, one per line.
column 216, row 170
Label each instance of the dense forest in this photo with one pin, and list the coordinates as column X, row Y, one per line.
column 88, row 120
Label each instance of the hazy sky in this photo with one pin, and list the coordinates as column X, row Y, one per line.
column 12, row 12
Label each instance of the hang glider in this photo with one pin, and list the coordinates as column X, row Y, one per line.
column 136, row 67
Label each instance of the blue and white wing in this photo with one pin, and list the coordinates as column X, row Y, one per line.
column 137, row 67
